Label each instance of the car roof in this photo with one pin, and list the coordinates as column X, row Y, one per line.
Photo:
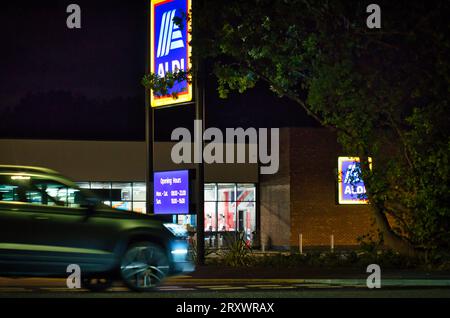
column 15, row 168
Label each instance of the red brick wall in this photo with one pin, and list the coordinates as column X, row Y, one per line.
column 275, row 201
column 314, row 210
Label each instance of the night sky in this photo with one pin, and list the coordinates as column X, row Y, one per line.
column 60, row 83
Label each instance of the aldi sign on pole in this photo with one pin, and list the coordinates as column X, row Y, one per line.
column 170, row 49
column 351, row 188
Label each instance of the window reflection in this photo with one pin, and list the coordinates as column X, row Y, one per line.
column 129, row 196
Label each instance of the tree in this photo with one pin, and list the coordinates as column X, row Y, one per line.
column 384, row 91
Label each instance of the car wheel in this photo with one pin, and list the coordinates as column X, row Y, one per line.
column 96, row 284
column 144, row 266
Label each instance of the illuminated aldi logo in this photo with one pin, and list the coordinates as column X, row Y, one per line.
column 351, row 188
column 170, row 50
column 170, row 37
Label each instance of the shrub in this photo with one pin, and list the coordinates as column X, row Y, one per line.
column 238, row 253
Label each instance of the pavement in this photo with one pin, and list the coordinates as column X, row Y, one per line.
column 310, row 272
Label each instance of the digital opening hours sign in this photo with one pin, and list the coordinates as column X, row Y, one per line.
column 171, row 192
column 351, row 188
column 170, row 49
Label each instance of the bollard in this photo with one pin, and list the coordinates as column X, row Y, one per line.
column 300, row 243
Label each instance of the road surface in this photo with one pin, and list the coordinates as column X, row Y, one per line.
column 188, row 287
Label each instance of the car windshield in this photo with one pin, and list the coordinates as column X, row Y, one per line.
column 44, row 190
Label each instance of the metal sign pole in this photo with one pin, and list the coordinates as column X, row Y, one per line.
column 199, row 89
column 149, row 126
column 150, row 135
column 199, row 115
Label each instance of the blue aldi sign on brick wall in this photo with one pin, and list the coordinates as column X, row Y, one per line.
column 351, row 188
column 170, row 50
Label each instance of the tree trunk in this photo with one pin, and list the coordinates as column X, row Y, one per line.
column 391, row 239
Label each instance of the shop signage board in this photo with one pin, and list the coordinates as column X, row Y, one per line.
column 171, row 192
column 169, row 47
column 351, row 188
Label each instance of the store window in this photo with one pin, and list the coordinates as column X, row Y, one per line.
column 139, row 197
column 121, row 196
column 128, row 196
column 230, row 208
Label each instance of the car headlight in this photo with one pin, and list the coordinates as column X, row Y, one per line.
column 176, row 229
column 179, row 251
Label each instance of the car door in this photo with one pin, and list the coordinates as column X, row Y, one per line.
column 17, row 225
column 43, row 229
column 68, row 232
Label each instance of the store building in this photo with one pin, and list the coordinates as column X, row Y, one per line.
column 272, row 210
